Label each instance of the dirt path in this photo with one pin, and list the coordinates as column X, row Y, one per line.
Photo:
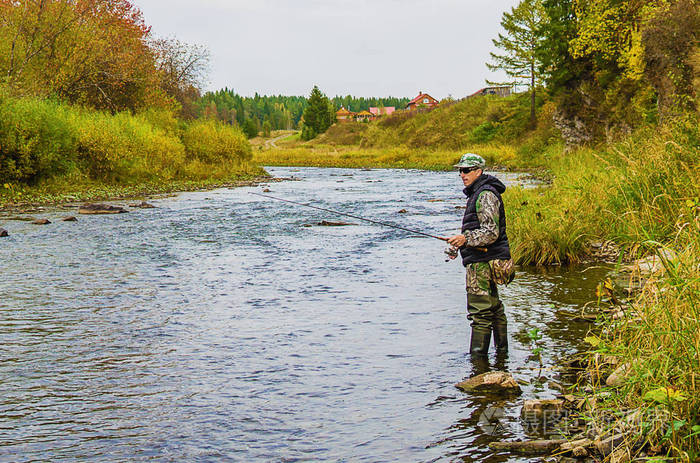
column 271, row 142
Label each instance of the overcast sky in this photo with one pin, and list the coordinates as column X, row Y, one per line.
column 358, row 47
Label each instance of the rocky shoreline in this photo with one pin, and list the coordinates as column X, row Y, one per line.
column 71, row 199
column 582, row 427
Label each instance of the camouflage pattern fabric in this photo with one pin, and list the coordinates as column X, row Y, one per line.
column 502, row 271
column 487, row 211
column 471, row 160
column 479, row 280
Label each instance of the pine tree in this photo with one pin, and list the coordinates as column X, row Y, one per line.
column 319, row 113
column 520, row 44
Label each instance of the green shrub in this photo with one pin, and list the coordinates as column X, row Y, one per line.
column 124, row 148
column 43, row 141
column 37, row 140
column 211, row 141
column 484, row 133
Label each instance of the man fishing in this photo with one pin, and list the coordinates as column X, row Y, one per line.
column 485, row 253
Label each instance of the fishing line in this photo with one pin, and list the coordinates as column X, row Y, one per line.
column 353, row 216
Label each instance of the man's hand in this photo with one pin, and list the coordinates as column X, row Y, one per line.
column 457, row 241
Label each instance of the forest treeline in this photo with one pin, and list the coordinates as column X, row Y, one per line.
column 281, row 112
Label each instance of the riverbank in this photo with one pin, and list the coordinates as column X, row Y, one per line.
column 50, row 150
column 47, row 194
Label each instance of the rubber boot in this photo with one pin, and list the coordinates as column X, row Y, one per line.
column 500, row 328
column 481, row 338
column 500, row 337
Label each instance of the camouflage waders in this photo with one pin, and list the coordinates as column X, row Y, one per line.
column 486, row 311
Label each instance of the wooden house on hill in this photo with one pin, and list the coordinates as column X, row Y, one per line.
column 363, row 116
column 423, row 100
column 343, row 115
column 501, row 90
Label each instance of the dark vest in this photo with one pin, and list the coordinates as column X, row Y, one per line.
column 500, row 249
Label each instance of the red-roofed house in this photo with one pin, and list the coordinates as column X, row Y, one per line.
column 423, row 100
column 382, row 111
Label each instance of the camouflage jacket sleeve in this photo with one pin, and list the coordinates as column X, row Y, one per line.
column 487, row 211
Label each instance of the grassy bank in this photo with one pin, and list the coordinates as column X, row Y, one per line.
column 320, row 155
column 49, row 149
column 652, row 345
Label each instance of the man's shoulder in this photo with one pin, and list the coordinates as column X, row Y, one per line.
column 487, row 200
column 487, row 194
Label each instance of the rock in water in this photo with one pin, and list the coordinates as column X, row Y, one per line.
column 3, row 232
column 539, row 408
column 100, row 209
column 495, row 381
column 70, row 218
column 142, row 205
column 41, row 222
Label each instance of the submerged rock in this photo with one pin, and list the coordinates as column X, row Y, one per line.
column 325, row 223
column 3, row 232
column 495, row 381
column 403, row 211
column 142, row 205
column 101, row 209
column 70, row 218
column 41, row 222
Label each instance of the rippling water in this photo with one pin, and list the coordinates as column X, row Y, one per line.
column 218, row 327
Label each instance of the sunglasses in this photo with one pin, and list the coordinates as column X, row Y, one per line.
column 466, row 170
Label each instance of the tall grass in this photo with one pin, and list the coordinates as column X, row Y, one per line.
column 658, row 342
column 630, row 192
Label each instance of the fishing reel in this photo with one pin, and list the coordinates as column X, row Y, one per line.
column 452, row 253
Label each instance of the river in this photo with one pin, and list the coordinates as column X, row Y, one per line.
column 219, row 326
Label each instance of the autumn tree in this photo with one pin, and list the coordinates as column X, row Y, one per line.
column 182, row 70
column 519, row 44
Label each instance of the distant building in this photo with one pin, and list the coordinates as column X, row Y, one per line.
column 364, row 116
column 382, row 111
column 343, row 115
column 501, row 90
column 423, row 100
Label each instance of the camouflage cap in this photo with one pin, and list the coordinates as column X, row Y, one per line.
column 471, row 160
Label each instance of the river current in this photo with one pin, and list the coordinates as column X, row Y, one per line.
column 222, row 326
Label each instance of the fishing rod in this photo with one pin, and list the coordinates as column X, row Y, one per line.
column 353, row 216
